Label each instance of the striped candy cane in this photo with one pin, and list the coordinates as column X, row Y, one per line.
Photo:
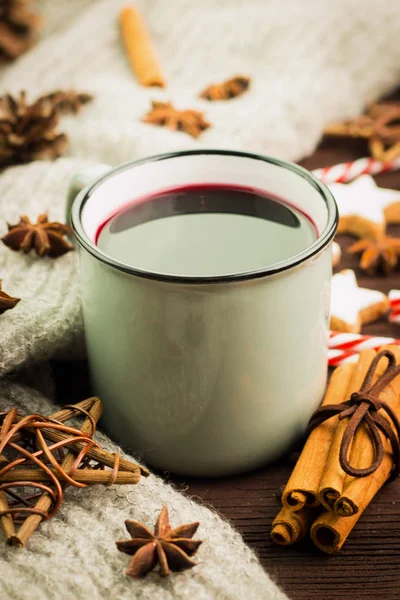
column 394, row 303
column 345, row 347
column 348, row 171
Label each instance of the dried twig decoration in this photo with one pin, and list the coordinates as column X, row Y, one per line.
column 165, row 115
column 40, row 457
column 68, row 101
column 231, row 88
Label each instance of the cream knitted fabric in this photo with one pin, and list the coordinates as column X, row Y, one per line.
column 48, row 319
column 311, row 61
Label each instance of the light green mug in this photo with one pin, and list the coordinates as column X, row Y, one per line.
column 240, row 394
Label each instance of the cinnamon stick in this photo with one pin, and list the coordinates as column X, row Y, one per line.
column 139, row 48
column 347, row 494
column 362, row 455
column 291, row 526
column 332, row 481
column 302, row 488
column 86, row 476
column 329, row 531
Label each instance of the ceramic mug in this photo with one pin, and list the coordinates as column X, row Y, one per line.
column 209, row 375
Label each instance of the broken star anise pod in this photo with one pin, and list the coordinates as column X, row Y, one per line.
column 68, row 101
column 46, row 238
column 170, row 548
column 382, row 254
column 165, row 115
column 231, row 88
column 29, row 131
column 6, row 301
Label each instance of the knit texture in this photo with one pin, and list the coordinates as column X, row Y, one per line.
column 311, row 62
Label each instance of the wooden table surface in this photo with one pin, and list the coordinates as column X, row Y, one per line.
column 368, row 566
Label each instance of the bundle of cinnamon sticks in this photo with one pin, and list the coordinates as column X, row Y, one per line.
column 320, row 498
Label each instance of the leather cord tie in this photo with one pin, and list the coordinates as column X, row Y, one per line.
column 365, row 407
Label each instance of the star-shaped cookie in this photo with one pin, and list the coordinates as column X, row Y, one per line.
column 394, row 303
column 390, row 201
column 336, row 254
column 365, row 208
column 352, row 306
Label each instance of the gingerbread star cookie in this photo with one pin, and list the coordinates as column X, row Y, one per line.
column 352, row 306
column 336, row 254
column 394, row 303
column 364, row 208
column 390, row 201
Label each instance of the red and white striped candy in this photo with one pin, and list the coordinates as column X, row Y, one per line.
column 348, row 171
column 345, row 347
column 394, row 303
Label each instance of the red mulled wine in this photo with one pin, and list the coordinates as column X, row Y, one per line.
column 206, row 230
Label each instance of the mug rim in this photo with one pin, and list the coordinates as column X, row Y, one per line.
column 293, row 261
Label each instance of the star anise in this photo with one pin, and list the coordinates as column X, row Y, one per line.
column 170, row 548
column 165, row 115
column 227, row 89
column 6, row 301
column 382, row 254
column 46, row 238
column 18, row 27
column 380, row 125
column 68, row 101
column 385, row 141
column 29, row 132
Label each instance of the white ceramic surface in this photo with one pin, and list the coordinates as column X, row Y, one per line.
column 206, row 377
